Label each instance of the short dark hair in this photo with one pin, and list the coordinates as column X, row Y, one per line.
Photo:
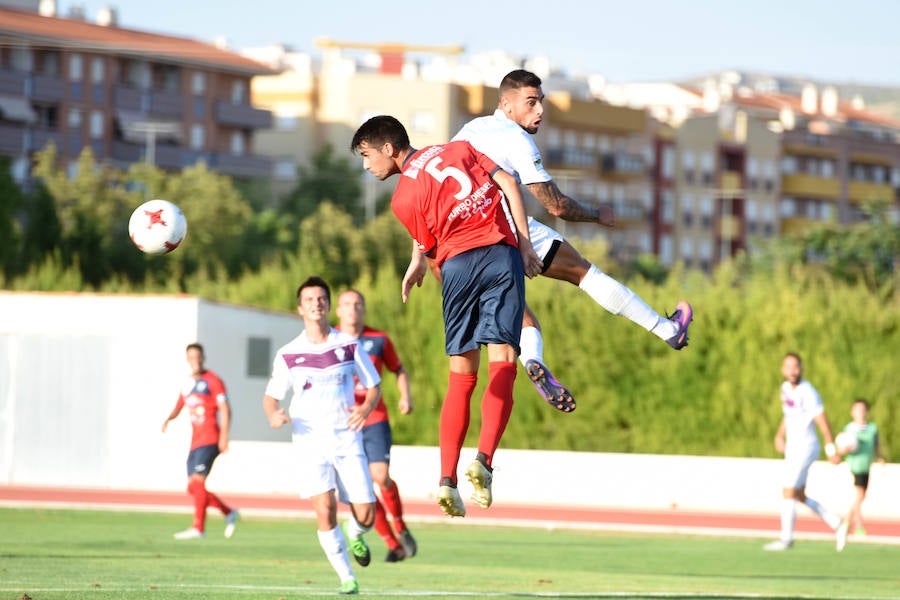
column 862, row 401
column 314, row 281
column 357, row 292
column 194, row 346
column 517, row 79
column 795, row 356
column 380, row 130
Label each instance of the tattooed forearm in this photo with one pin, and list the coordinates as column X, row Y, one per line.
column 560, row 205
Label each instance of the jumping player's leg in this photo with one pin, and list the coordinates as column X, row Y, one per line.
column 562, row 261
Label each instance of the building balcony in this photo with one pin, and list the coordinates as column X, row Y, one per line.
column 865, row 191
column 730, row 184
column 242, row 115
column 166, row 104
column 39, row 138
column 810, row 186
column 241, row 166
column 630, row 213
column 729, row 227
column 46, row 89
column 12, row 82
column 127, row 98
column 622, row 167
column 569, row 159
column 791, row 225
column 12, row 139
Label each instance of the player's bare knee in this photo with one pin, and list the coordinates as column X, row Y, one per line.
column 529, row 320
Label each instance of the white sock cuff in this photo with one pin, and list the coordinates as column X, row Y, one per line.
column 531, row 343
column 354, row 529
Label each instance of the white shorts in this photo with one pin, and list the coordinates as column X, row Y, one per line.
column 322, row 467
column 796, row 467
column 542, row 237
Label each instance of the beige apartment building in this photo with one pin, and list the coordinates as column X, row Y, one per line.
column 128, row 95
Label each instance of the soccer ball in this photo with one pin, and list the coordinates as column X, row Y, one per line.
column 846, row 443
column 157, row 227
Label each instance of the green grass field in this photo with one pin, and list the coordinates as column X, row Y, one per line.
column 62, row 554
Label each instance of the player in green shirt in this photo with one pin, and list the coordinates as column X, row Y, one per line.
column 861, row 460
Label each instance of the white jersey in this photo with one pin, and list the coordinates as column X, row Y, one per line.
column 321, row 376
column 507, row 144
column 800, row 405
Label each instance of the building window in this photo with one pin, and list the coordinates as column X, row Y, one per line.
column 789, row 165
column 198, row 136
column 259, row 355
column 198, row 83
column 422, row 121
column 668, row 206
column 665, row 249
column 878, row 174
column 22, row 59
column 285, row 169
column 687, row 164
column 76, row 67
column 238, row 91
column 827, row 168
column 687, row 214
column 707, row 166
column 98, row 70
column 668, row 162
column 237, row 143
column 97, row 124
column 49, row 64
column 285, row 122
column 788, row 207
column 74, row 118
column 687, row 248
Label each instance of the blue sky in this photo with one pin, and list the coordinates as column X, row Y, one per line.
column 631, row 40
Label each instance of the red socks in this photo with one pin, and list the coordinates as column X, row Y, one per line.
column 391, row 500
column 455, row 421
column 496, row 407
column 383, row 527
column 202, row 499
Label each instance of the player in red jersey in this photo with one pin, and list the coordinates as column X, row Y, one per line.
column 207, row 401
column 377, row 441
column 449, row 200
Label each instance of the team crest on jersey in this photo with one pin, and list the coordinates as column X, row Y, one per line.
column 201, row 386
column 537, row 161
column 368, row 345
column 339, row 352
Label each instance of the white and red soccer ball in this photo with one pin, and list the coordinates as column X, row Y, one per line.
column 157, row 227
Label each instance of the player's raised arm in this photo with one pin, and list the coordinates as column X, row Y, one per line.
column 569, row 209
column 510, row 187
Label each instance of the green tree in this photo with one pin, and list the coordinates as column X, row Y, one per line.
column 329, row 178
column 10, row 201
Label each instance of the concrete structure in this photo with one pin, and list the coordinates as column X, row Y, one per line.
column 128, row 95
column 87, row 380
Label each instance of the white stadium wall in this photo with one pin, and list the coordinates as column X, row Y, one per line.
column 87, row 380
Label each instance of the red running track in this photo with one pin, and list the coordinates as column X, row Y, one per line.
column 417, row 509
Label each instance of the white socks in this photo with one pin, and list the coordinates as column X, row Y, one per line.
column 788, row 516
column 829, row 517
column 354, row 529
column 531, row 343
column 619, row 300
column 335, row 548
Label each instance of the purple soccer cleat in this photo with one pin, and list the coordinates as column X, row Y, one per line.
column 682, row 317
column 553, row 391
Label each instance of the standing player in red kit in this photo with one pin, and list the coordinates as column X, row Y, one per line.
column 449, row 200
column 204, row 395
column 377, row 441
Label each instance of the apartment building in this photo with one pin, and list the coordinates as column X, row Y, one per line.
column 128, row 95
column 737, row 166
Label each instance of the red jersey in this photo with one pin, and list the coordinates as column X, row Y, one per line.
column 449, row 203
column 203, row 395
column 381, row 350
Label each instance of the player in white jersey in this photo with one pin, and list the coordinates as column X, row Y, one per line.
column 505, row 137
column 797, row 439
column 319, row 367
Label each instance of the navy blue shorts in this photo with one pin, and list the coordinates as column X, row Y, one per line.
column 377, row 442
column 200, row 460
column 484, row 297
